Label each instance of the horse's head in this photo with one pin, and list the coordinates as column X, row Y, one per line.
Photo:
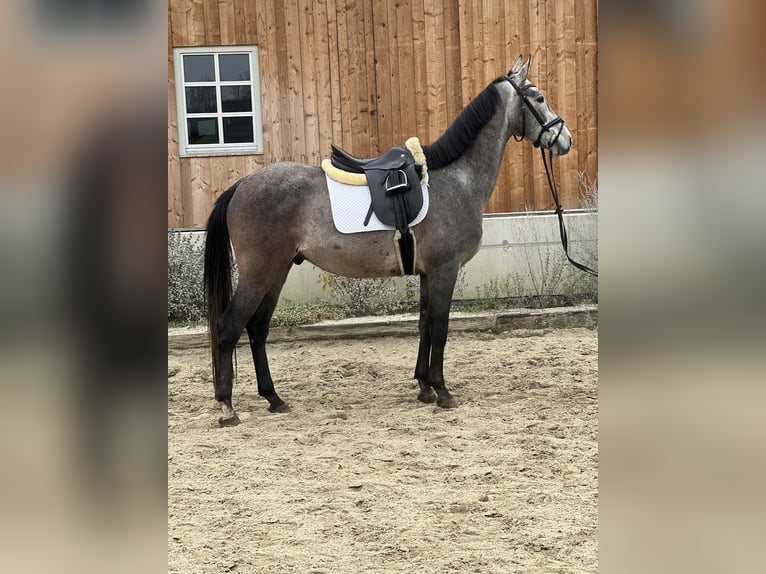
column 532, row 118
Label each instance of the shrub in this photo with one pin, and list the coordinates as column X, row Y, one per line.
column 549, row 278
column 186, row 302
column 290, row 314
column 545, row 278
column 580, row 286
column 378, row 296
column 358, row 297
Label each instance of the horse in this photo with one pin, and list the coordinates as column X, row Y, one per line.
column 280, row 215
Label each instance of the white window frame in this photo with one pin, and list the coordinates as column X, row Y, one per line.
column 186, row 149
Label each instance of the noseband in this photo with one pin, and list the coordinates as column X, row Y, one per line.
column 545, row 126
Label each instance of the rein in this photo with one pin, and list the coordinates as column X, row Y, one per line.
column 548, row 164
column 560, row 212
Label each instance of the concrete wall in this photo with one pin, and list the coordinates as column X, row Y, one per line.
column 516, row 247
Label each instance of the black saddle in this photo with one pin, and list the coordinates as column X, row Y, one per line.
column 392, row 159
column 394, row 182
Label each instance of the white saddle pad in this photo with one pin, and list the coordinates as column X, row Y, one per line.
column 350, row 204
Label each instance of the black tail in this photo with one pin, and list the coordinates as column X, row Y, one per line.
column 217, row 276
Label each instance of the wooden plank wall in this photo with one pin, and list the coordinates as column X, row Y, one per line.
column 367, row 74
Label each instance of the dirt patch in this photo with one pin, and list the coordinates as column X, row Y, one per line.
column 360, row 477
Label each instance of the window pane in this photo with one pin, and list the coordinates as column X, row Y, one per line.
column 234, row 67
column 236, row 99
column 238, row 130
column 201, row 100
column 199, row 68
column 203, row 130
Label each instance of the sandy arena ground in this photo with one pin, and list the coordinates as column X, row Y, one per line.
column 361, row 478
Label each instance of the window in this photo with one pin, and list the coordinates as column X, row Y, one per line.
column 219, row 100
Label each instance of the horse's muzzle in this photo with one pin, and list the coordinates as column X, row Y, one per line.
column 559, row 145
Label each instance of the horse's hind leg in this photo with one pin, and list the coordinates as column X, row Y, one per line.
column 258, row 331
column 230, row 326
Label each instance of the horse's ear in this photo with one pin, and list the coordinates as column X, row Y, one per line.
column 516, row 67
column 524, row 71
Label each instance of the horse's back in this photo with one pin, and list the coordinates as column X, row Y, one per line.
column 284, row 180
column 276, row 190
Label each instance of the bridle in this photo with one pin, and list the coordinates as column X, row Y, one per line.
column 546, row 127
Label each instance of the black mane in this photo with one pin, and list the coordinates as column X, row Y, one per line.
column 461, row 134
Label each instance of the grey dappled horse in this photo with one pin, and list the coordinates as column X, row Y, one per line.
column 280, row 215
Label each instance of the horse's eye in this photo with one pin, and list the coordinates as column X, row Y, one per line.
column 540, row 99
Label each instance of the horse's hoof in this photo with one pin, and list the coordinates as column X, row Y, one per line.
column 231, row 420
column 449, row 403
column 427, row 397
column 280, row 408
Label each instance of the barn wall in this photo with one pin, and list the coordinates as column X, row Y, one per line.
column 368, row 74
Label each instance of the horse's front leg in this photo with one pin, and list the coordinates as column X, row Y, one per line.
column 426, row 394
column 441, row 285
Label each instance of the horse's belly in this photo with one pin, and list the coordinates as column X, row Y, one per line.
column 370, row 254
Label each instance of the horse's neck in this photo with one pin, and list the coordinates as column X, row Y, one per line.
column 482, row 161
